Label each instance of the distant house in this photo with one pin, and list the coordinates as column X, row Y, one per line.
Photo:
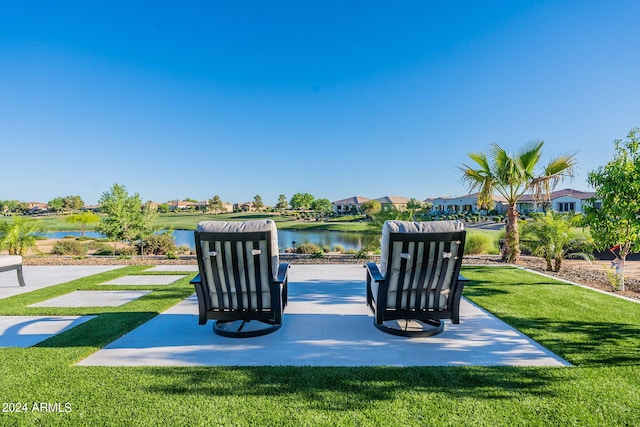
column 397, row 202
column 244, row 207
column 181, row 205
column 92, row 208
column 466, row 203
column 37, row 207
column 347, row 206
column 567, row 200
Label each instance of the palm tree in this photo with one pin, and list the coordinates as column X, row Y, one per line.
column 20, row 235
column 512, row 176
column 551, row 237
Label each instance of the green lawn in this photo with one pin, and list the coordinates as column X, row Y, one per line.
column 597, row 333
column 189, row 221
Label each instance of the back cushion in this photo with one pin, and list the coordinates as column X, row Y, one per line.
column 395, row 226
column 246, row 227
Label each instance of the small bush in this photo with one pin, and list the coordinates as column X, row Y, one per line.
column 69, row 247
column 338, row 248
column 100, row 248
column 159, row 244
column 479, row 243
column 184, row 250
column 308, row 248
column 362, row 255
column 107, row 250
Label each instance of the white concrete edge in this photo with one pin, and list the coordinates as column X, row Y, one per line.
column 535, row 343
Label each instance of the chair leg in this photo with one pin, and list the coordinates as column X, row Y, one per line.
column 20, row 277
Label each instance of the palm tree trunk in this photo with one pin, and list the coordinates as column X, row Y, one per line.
column 558, row 264
column 511, row 251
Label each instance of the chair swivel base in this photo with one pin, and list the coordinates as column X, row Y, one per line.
column 244, row 328
column 411, row 327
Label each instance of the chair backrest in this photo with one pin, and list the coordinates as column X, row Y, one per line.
column 420, row 261
column 238, row 262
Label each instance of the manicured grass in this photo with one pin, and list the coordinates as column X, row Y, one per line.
column 189, row 221
column 597, row 333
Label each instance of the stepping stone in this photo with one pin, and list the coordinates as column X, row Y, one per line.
column 25, row 331
column 92, row 299
column 186, row 268
column 39, row 277
column 145, row 280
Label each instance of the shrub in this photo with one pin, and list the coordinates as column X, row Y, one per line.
column 100, row 248
column 308, row 248
column 338, row 248
column 158, row 244
column 69, row 247
column 479, row 243
column 361, row 255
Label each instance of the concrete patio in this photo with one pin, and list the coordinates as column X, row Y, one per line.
column 326, row 324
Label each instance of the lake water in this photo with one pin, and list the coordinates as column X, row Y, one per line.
column 325, row 239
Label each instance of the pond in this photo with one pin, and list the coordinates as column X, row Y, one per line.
column 324, row 239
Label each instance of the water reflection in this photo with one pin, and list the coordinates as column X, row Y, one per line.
column 324, row 239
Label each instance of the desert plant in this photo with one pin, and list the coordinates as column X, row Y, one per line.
column 69, row 247
column 550, row 236
column 479, row 243
column 20, row 235
column 83, row 219
column 512, row 176
column 308, row 248
column 157, row 244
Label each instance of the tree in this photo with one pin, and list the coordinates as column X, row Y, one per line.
column 257, row 203
column 56, row 205
column 216, row 204
column 613, row 214
column 512, row 176
column 370, row 207
column 414, row 205
column 20, row 235
column 73, row 203
column 83, row 219
column 551, row 236
column 301, row 201
column 389, row 212
column 146, row 225
column 125, row 220
column 282, row 203
column 322, row 206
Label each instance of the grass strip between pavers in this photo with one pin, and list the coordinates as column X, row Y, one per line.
column 602, row 389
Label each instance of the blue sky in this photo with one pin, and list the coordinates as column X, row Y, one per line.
column 335, row 98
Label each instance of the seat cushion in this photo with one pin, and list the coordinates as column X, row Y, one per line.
column 10, row 260
column 246, row 227
column 395, row 226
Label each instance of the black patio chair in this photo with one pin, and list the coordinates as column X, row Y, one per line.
column 418, row 282
column 241, row 283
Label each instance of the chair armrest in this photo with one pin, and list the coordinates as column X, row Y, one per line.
column 282, row 272
column 374, row 271
column 196, row 280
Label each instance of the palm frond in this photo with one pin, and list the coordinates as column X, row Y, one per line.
column 529, row 156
